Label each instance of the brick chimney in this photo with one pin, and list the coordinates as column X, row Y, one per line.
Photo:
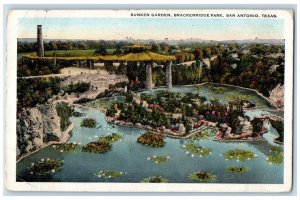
column 40, row 42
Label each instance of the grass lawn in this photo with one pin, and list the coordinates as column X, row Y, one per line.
column 69, row 53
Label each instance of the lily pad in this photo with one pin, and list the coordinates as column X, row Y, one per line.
column 69, row 148
column 276, row 150
column 192, row 149
column 203, row 177
column 45, row 166
column 276, row 159
column 237, row 169
column 159, row 159
column 97, row 147
column 109, row 174
column 155, row 179
column 110, row 138
column 239, row 155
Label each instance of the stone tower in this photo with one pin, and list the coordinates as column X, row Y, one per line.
column 40, row 42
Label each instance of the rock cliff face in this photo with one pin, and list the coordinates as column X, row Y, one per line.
column 36, row 127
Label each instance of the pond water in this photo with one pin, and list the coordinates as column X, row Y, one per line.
column 130, row 157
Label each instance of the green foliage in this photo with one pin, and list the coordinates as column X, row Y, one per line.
column 69, row 148
column 109, row 174
column 202, row 177
column 239, row 155
column 276, row 159
column 110, row 138
column 97, row 147
column 192, row 149
column 202, row 135
column 159, row 159
column 45, row 166
column 31, row 92
column 151, row 139
column 237, row 169
column 78, row 87
column 88, row 123
column 155, row 179
column 64, row 111
column 83, row 100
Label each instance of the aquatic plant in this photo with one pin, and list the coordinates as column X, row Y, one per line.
column 239, row 155
column 109, row 174
column 151, row 139
column 275, row 159
column 88, row 122
column 69, row 147
column 202, row 135
column 97, row 147
column 193, row 149
column 110, row 138
column 276, row 150
column 45, row 166
column 159, row 159
column 203, row 177
column 155, row 179
column 237, row 169
column 219, row 90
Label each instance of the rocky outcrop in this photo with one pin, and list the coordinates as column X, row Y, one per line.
column 36, row 127
column 277, row 96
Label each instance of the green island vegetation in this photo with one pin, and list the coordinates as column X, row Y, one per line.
column 97, row 147
column 114, row 137
column 88, row 123
column 31, row 92
column 202, row 135
column 78, row 87
column 155, row 179
column 275, row 159
column 219, row 90
column 239, row 155
column 158, row 110
column 109, row 174
column 64, row 111
column 69, row 147
column 45, row 166
column 276, row 150
column 192, row 149
column 159, row 159
column 151, row 139
column 237, row 169
column 202, row 177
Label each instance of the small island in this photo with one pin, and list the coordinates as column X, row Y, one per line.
column 97, row 147
column 151, row 139
column 88, row 123
column 45, row 166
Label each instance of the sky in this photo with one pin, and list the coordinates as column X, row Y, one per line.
column 153, row 28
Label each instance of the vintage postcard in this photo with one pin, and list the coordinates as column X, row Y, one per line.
column 149, row 100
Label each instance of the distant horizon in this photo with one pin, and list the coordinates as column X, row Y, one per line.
column 152, row 28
